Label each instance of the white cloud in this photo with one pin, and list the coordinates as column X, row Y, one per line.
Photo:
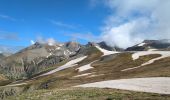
column 132, row 21
column 41, row 40
column 126, row 34
column 32, row 42
column 51, row 41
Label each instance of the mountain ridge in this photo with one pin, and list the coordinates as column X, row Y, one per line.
column 41, row 56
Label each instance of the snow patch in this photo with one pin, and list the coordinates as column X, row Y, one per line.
column 106, row 52
column 95, row 75
column 49, row 55
column 67, row 65
column 143, row 53
column 152, row 49
column 141, row 44
column 136, row 55
column 61, row 45
column 130, row 68
column 57, row 48
column 153, row 84
column 83, row 75
column 16, row 84
column 69, row 52
column 85, row 67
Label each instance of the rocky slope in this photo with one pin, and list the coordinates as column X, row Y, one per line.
column 40, row 57
column 151, row 45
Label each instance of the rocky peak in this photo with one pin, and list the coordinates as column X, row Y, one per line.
column 72, row 46
column 105, row 46
column 91, row 44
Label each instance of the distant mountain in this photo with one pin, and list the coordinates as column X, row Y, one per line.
column 107, row 47
column 104, row 45
column 151, row 45
column 10, row 49
column 42, row 56
column 37, row 57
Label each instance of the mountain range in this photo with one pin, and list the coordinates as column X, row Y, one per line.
column 64, row 65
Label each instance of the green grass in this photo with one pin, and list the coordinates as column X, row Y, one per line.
column 87, row 94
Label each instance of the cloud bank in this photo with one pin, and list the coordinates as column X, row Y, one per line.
column 132, row 21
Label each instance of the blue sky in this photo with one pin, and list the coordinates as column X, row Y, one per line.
column 25, row 20
column 121, row 23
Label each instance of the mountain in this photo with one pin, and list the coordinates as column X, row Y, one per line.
column 6, row 51
column 41, row 56
column 36, row 58
column 52, row 69
column 10, row 49
column 151, row 45
column 107, row 47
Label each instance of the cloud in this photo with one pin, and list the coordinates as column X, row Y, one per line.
column 49, row 41
column 4, row 35
column 7, row 17
column 132, row 21
column 41, row 40
column 126, row 34
column 63, row 25
column 32, row 42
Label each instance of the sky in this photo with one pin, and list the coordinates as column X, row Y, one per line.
column 24, row 20
column 120, row 23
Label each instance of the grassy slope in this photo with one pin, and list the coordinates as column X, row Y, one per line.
column 104, row 69
column 87, row 94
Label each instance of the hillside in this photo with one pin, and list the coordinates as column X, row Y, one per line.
column 94, row 66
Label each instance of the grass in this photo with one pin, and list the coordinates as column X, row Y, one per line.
column 92, row 54
column 105, row 68
column 87, row 94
